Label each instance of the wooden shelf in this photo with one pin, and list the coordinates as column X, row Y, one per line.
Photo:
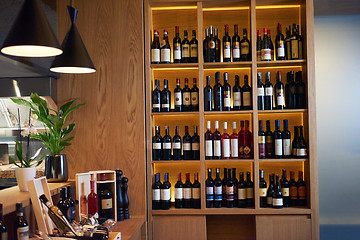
column 176, row 161
column 288, row 211
column 230, row 161
column 174, row 113
column 175, row 66
column 283, row 160
column 228, row 112
column 283, row 111
column 227, row 65
column 130, row 228
column 284, row 63
column 180, row 211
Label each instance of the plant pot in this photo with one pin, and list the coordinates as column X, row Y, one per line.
column 56, row 169
column 23, row 175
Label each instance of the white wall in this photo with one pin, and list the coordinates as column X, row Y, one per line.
column 337, row 52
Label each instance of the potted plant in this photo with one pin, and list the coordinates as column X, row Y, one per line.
column 57, row 134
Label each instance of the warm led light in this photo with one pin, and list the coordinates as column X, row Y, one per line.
column 31, row 51
column 74, row 70
column 173, row 8
column 225, row 9
column 166, row 69
column 279, row 67
column 225, row 69
column 278, row 6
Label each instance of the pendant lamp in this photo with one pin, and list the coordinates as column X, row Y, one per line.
column 31, row 34
column 75, row 58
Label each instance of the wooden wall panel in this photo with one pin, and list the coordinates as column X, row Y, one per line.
column 110, row 128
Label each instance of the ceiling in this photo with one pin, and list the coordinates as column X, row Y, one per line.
column 336, row 7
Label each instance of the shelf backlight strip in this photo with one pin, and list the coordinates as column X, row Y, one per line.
column 278, row 6
column 279, row 67
column 222, row 8
column 225, row 9
column 225, row 69
column 170, row 69
column 173, row 8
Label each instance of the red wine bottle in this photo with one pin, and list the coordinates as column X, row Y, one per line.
column 294, row 43
column 3, row 228
column 212, row 46
column 268, row 103
column 105, row 200
column 279, row 93
column 241, row 191
column 301, row 147
column 176, row 145
column 236, row 182
column 92, row 201
column 293, row 190
column 301, row 190
column 194, row 96
column 217, row 189
column 217, row 45
column 300, row 39
column 269, row 141
column 262, row 190
column 186, row 96
column 280, row 44
column 218, row 93
column 226, row 93
column 206, row 46
column 288, row 44
column 300, row 91
column 156, row 96
column 249, row 191
column 234, row 143
column 165, row 98
column 209, row 190
column 178, row 97
column 195, row 145
column 165, row 193
column 226, row 45
column 258, row 46
column 270, row 191
column 207, row 95
column 266, row 47
column 156, row 192
column 165, row 49
column 21, row 226
column 208, row 142
column 195, row 192
column 177, row 46
column 277, row 200
column 194, row 48
column 261, row 92
column 155, row 49
column 246, row 95
column 237, row 94
column 187, row 153
column 271, row 45
column 278, row 140
column 229, row 191
column 262, row 142
column 166, row 145
column 156, row 142
column 217, row 142
column 224, row 182
column 286, row 135
column 295, row 141
column 185, row 49
column 236, row 45
column 225, row 143
column 245, row 47
column 248, row 142
column 71, row 202
column 241, row 139
column 187, row 202
column 179, row 193
column 285, row 189
column 290, row 91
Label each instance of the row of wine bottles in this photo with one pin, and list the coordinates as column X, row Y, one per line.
column 277, row 144
column 229, row 191
column 292, row 96
column 187, row 195
column 281, row 192
column 21, row 226
column 224, row 146
column 176, row 148
column 234, row 49
column 289, row 48
column 183, row 51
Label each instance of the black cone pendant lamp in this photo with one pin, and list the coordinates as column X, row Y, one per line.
column 31, row 34
column 75, row 58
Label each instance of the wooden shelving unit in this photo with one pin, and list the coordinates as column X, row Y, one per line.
column 294, row 222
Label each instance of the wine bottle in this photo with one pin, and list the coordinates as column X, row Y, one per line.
column 124, row 188
column 290, row 91
column 285, row 189
column 21, row 227
column 165, row 193
column 207, row 95
column 217, row 190
column 258, row 46
column 288, row 44
column 156, row 142
column 206, row 46
column 268, row 99
column 187, row 153
column 120, row 199
column 300, row 39
column 217, row 45
column 194, row 96
column 294, row 43
column 245, row 47
column 247, row 141
column 234, row 143
column 155, row 49
column 278, row 140
column 166, row 145
column 241, row 135
column 194, row 48
column 218, row 93
column 265, row 47
column 301, row 147
column 280, row 44
column 236, row 45
column 226, row 45
column 295, row 141
column 195, row 145
column 176, row 145
column 271, row 45
column 156, row 96
column 217, row 142
column 195, row 192
column 65, row 208
column 279, row 91
column 177, row 46
column 225, row 143
column 262, row 190
column 105, row 200
column 262, row 141
column 93, row 201
column 261, row 92
column 300, row 91
column 179, row 193
column 186, row 96
column 241, row 191
column 224, row 183
column 286, row 135
column 187, row 202
column 3, row 228
column 229, row 191
column 212, row 46
column 246, row 95
column 156, row 192
column 178, row 97
column 301, row 190
column 269, row 141
column 236, row 182
column 226, row 93
column 185, row 49
column 71, row 202
column 165, row 98
column 277, row 200
column 293, row 190
column 208, row 142
column 165, row 49
column 209, row 190
column 270, row 191
column 62, row 198
column 237, row 94
column 249, row 191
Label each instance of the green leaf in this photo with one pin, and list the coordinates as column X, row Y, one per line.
column 72, row 109
column 64, row 108
column 13, row 162
column 41, row 103
column 67, row 130
column 23, row 102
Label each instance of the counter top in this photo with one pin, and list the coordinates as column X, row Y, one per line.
column 8, row 171
column 131, row 229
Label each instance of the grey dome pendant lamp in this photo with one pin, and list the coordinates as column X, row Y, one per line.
column 75, row 58
column 31, row 34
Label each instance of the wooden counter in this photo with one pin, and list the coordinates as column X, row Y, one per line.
column 131, row 229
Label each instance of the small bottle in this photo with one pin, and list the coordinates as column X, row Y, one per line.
column 92, row 201
column 217, row 142
column 209, row 190
column 225, row 143
column 21, row 226
column 262, row 190
column 277, row 196
column 179, row 197
column 208, row 142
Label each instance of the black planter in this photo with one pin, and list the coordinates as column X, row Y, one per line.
column 56, row 169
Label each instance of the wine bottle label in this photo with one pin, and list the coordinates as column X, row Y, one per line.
column 185, row 50
column 187, row 193
column 212, row 44
column 278, row 147
column 280, row 48
column 4, row 236
column 165, row 105
column 208, row 148
column 106, row 203
column 155, row 55
column 244, row 48
column 280, row 97
column 294, row 49
column 218, row 190
column 249, row 193
column 156, row 194
column 194, row 98
column 236, row 50
column 241, row 193
column 246, row 99
column 269, row 91
column 195, row 193
column 269, row 200
column 237, row 99
column 287, row 147
column 262, row 192
column 294, row 151
column 293, row 192
column 156, row 146
column 288, row 50
column 277, row 202
column 226, row 148
column 22, row 233
column 261, row 139
column 176, row 145
column 235, row 148
column 177, row 51
column 179, row 193
column 261, row 92
column 262, row 150
column 167, row 145
column 267, row 54
column 227, row 99
column 258, row 55
column 194, row 50
column 285, row 192
column 209, row 193
column 300, row 50
column 247, row 150
column 227, row 50
column 165, row 55
column 302, row 192
column 230, row 190
column 156, row 105
column 186, row 98
column 165, row 194
column 301, row 152
column 187, row 146
column 195, row 146
column 178, row 99
column 217, row 148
